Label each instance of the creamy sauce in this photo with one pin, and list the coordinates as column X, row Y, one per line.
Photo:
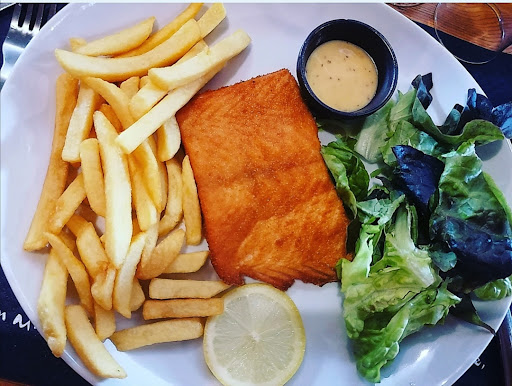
column 342, row 75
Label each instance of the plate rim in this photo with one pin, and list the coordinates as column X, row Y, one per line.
column 78, row 367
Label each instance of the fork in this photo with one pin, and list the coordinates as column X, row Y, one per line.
column 24, row 26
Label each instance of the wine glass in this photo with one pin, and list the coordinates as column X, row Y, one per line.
column 472, row 32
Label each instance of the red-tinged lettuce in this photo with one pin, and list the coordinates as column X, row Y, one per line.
column 406, row 134
column 417, row 259
column 423, row 84
column 501, row 116
column 473, row 219
column 382, row 125
column 476, row 131
column 406, row 122
column 478, row 106
column 417, row 175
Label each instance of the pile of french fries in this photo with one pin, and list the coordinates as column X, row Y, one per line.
column 119, row 202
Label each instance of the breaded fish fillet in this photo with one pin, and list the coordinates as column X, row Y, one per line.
column 269, row 206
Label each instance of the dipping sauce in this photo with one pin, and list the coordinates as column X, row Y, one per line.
column 342, row 75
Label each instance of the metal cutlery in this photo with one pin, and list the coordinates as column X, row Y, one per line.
column 26, row 22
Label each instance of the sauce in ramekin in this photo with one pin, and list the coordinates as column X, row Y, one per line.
column 342, row 75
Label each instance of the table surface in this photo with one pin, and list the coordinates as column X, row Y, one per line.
column 424, row 13
column 24, row 356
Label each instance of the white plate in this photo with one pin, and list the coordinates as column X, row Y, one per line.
column 435, row 356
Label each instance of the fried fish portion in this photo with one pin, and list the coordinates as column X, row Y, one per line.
column 270, row 209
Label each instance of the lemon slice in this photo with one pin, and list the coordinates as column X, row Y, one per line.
column 258, row 340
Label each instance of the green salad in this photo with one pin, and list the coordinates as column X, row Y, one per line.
column 434, row 230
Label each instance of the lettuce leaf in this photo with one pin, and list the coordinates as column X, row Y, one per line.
column 349, row 173
column 379, row 343
column 465, row 310
column 402, row 271
column 454, row 211
column 495, row 290
column 358, row 269
column 417, row 175
column 501, row 116
column 402, row 110
column 374, row 133
column 473, row 219
column 387, row 300
column 477, row 131
column 478, row 106
column 406, row 134
column 423, row 84
column 379, row 209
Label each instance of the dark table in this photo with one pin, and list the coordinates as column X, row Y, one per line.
column 26, row 359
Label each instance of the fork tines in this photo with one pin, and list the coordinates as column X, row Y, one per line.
column 29, row 18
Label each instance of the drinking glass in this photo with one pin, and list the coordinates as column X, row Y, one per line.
column 472, row 32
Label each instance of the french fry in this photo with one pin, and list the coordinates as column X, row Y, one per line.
column 174, row 208
column 88, row 346
column 68, row 202
column 150, row 94
column 81, row 123
column 68, row 238
column 95, row 259
column 147, row 96
column 137, row 298
column 56, row 174
column 122, row 41
column 143, row 81
column 89, row 245
column 73, row 171
column 87, row 213
column 75, row 43
column 191, row 208
column 76, row 270
column 124, row 279
column 163, row 255
column 134, row 135
column 211, row 18
column 188, row 262
column 92, row 172
column 179, row 74
column 166, row 32
column 130, row 86
column 144, row 206
column 103, row 286
column 182, row 308
column 115, row 98
column 168, row 139
column 119, row 69
column 183, row 289
column 51, row 304
column 135, row 226
column 111, row 115
column 199, row 47
column 104, row 322
column 118, row 220
column 158, row 332
column 151, row 240
column 149, row 164
column 114, row 162
column 163, row 181
column 77, row 224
